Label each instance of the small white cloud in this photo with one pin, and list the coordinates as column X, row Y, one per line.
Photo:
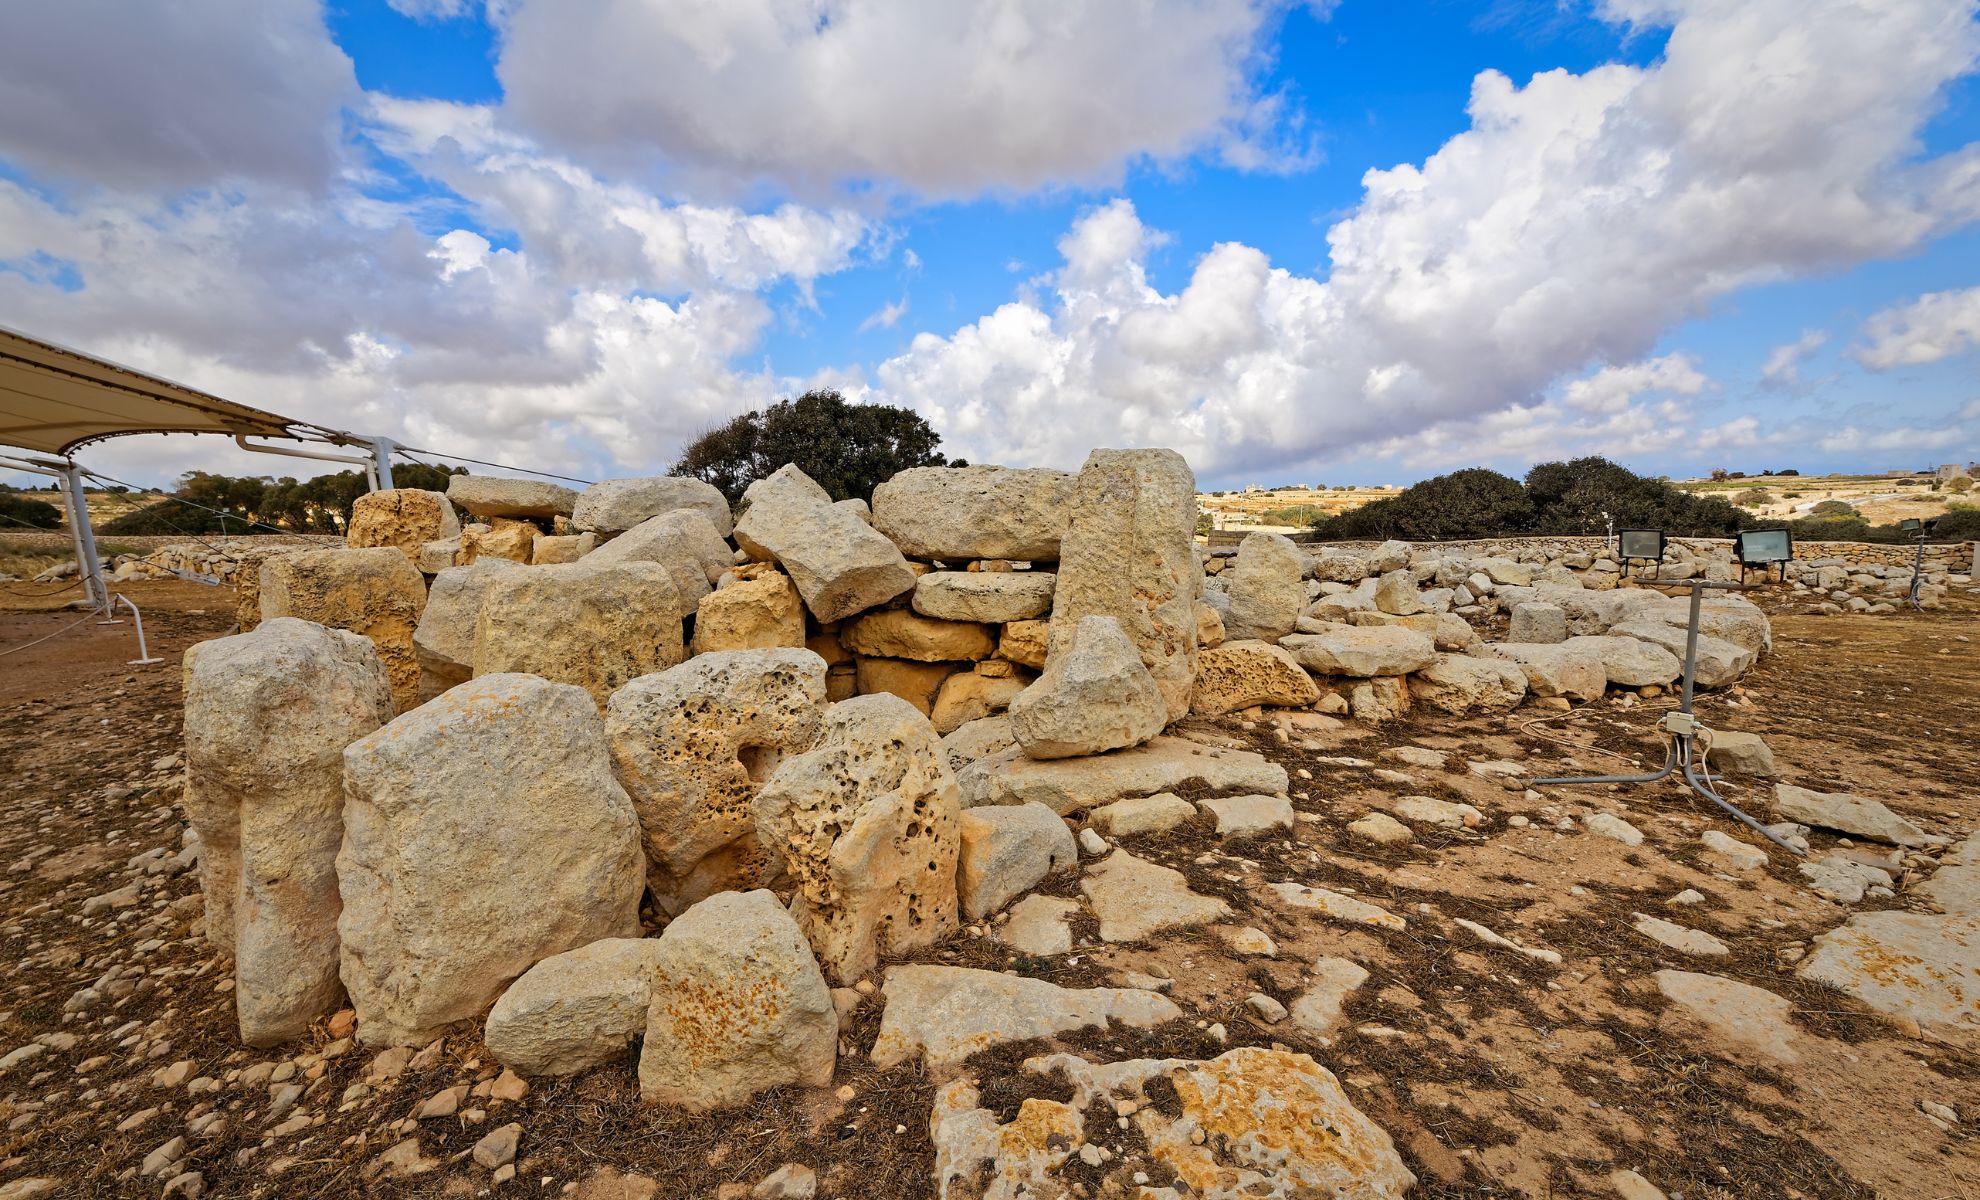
column 886, row 316
column 1935, row 326
column 1783, row 365
column 1611, row 389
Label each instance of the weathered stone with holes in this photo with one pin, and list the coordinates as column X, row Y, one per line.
column 867, row 820
column 575, row 1010
column 402, row 518
column 739, row 1006
column 485, row 496
column 1005, row 851
column 959, row 513
column 693, row 744
column 444, row 638
column 943, row 1015
column 992, row 597
column 483, row 832
column 1267, row 590
column 267, row 800
column 840, row 564
column 1095, row 695
column 1240, row 674
column 597, row 625
column 375, row 592
column 683, row 541
column 750, row 614
column 499, row 537
column 1130, row 553
column 616, row 505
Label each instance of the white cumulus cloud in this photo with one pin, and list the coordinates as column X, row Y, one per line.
column 1935, row 326
column 1577, row 219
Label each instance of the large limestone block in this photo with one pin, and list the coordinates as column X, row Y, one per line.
column 575, row 1010
column 444, row 638
column 1459, row 684
column 739, row 1006
column 483, row 833
column 1396, row 594
column 1845, row 813
column 901, row 633
column 597, row 625
column 693, row 744
column 1005, row 851
column 486, row 496
column 840, row 564
column 616, row 505
column 993, row 597
column 867, row 821
column 1267, row 589
column 247, row 581
column 971, row 696
column 1025, row 643
column 1732, row 618
column 683, row 541
column 1070, row 785
column 1538, row 622
column 1362, row 652
column 549, row 550
column 1556, row 669
column 402, row 518
column 977, row 740
column 376, row 592
column 918, row 683
column 1240, row 674
column 499, row 537
column 1130, row 553
column 945, row 1014
column 1096, row 695
column 958, row 513
column 750, row 614
column 1629, row 662
column 1718, row 663
column 267, row 717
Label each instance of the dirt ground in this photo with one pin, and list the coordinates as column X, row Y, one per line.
column 1495, row 1073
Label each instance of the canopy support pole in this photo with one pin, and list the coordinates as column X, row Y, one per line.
column 377, row 463
column 82, row 539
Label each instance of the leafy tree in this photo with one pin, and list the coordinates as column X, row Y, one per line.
column 204, row 503
column 849, row 449
column 1472, row 503
column 26, row 510
column 1570, row 498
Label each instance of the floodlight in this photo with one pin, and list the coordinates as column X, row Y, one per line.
column 1640, row 545
column 1758, row 547
column 1911, row 525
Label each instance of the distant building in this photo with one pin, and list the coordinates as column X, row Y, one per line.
column 1952, row 470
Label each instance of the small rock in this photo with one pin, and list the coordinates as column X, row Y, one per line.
column 1267, row 1009
column 792, row 1181
column 1382, row 829
column 498, row 1149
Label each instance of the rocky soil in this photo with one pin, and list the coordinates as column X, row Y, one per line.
column 1498, row 1009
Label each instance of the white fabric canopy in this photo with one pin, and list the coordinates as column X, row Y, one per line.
column 53, row 400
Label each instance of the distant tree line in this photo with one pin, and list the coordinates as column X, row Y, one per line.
column 1571, row 498
column 204, row 503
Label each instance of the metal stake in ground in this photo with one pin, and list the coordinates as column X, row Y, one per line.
column 1683, row 729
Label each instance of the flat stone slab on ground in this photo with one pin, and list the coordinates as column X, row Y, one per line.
column 1074, row 784
column 1135, row 898
column 946, row 1014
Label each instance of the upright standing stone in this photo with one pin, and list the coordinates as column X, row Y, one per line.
column 1267, row 590
column 1130, row 553
column 739, row 1006
column 376, row 592
column 693, row 744
column 1094, row 697
column 444, row 638
column 483, row 832
column 268, row 715
column 596, row 625
column 840, row 564
column 402, row 518
column 867, row 821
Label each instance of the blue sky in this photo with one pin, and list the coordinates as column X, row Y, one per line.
column 1363, row 241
